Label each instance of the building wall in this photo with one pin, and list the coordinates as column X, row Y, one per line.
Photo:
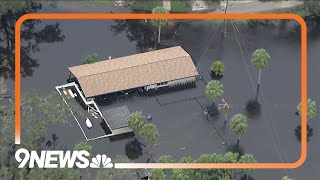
column 170, row 83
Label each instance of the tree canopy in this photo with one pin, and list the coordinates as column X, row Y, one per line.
column 149, row 132
column 247, row 158
column 214, row 89
column 136, row 121
column 118, row 174
column 260, row 58
column 217, row 67
column 83, row 146
column 33, row 33
column 239, row 124
column 157, row 174
column 311, row 109
column 90, row 58
column 159, row 22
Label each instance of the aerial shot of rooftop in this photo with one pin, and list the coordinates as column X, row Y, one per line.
column 97, row 93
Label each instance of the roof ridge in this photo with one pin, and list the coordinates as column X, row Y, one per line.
column 135, row 66
column 125, row 58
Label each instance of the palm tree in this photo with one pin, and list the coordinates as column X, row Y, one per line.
column 239, row 125
column 214, row 89
column 311, row 109
column 260, row 58
column 159, row 22
column 226, row 109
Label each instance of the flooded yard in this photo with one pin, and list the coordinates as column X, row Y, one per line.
column 184, row 129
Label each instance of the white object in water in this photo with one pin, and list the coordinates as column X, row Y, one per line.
column 88, row 123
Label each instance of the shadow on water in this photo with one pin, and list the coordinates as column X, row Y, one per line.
column 144, row 34
column 131, row 95
column 121, row 136
column 297, row 132
column 246, row 177
column 253, row 108
column 236, row 148
column 215, row 76
column 31, row 37
column 133, row 149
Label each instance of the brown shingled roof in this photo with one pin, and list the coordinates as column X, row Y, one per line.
column 134, row 71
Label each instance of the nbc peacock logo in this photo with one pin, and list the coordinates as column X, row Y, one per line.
column 101, row 161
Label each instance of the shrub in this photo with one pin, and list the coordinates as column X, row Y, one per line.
column 217, row 67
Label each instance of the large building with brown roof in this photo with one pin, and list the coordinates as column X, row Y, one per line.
column 149, row 70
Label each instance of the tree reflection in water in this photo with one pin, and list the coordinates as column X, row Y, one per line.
column 33, row 33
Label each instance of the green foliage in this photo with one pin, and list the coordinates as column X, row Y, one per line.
column 136, row 121
column 183, row 174
column 239, row 124
column 83, row 146
column 149, row 132
column 214, row 89
column 180, row 174
column 151, row 49
column 180, row 6
column 286, row 178
column 66, row 174
column 312, row 7
column 159, row 22
column 260, row 58
column 157, row 174
column 311, row 109
column 90, row 58
column 165, row 159
column 127, row 174
column 208, row 174
column 217, row 67
column 247, row 158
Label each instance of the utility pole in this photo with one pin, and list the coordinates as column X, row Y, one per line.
column 225, row 12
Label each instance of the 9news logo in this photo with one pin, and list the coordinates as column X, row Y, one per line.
column 61, row 159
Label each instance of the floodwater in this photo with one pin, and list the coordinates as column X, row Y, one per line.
column 179, row 116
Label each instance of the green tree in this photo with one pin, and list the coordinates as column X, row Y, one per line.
column 259, row 59
column 214, row 89
column 90, row 58
column 159, row 22
column 286, row 178
column 312, row 7
column 37, row 112
column 239, row 125
column 151, row 49
column 165, row 159
column 217, row 68
column 183, row 174
column 157, row 174
column 83, row 146
column 311, row 109
column 64, row 173
column 115, row 174
column 136, row 121
column 247, row 158
column 32, row 35
column 149, row 132
column 208, row 174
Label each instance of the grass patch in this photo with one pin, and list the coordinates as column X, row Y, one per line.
column 178, row 6
column 145, row 6
column 221, row 21
column 109, row 2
